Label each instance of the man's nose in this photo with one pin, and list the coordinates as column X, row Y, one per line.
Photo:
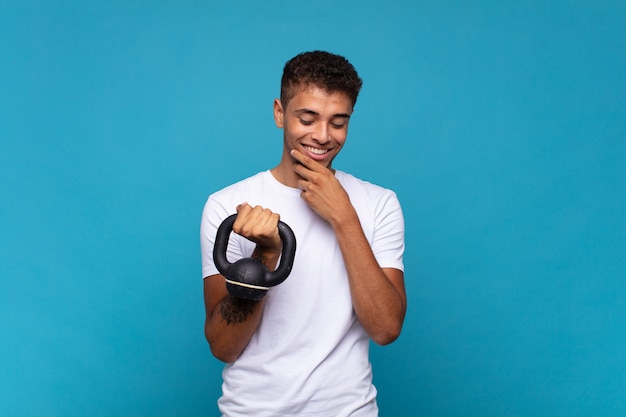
column 320, row 134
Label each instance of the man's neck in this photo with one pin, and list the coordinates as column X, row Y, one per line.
column 285, row 174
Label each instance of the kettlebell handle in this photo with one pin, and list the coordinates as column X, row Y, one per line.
column 270, row 278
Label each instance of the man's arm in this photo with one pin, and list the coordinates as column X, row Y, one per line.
column 230, row 322
column 378, row 294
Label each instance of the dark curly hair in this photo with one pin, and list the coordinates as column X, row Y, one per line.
column 330, row 72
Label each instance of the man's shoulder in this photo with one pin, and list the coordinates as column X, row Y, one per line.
column 250, row 183
column 354, row 184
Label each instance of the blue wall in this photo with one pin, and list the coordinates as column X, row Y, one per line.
column 501, row 125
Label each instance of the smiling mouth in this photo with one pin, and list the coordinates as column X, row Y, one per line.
column 315, row 151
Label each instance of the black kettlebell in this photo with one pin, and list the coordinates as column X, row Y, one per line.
column 249, row 278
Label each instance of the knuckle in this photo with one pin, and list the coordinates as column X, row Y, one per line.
column 238, row 229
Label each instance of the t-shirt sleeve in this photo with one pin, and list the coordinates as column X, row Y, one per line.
column 388, row 242
column 212, row 216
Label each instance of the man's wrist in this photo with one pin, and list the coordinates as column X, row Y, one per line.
column 268, row 257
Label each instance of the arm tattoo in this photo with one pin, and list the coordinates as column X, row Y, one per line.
column 236, row 310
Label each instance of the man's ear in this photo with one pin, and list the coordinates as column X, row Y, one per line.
column 278, row 113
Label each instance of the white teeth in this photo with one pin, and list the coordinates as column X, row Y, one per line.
column 316, row 151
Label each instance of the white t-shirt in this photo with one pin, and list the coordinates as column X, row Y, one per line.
column 310, row 354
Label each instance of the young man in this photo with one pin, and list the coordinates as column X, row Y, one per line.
column 303, row 349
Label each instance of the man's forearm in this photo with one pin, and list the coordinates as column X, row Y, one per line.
column 230, row 326
column 232, row 321
column 377, row 294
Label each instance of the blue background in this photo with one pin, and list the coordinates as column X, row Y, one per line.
column 501, row 125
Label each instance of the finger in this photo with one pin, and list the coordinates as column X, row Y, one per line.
column 243, row 211
column 302, row 184
column 261, row 216
column 242, row 206
column 260, row 222
column 246, row 215
column 308, row 162
column 303, row 171
column 268, row 222
column 255, row 217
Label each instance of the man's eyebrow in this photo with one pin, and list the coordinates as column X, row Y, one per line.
column 306, row 111
column 314, row 113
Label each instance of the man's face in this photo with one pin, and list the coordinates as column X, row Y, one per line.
column 315, row 122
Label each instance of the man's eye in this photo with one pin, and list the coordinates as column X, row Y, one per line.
column 306, row 122
column 338, row 125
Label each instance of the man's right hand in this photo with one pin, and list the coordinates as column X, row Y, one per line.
column 259, row 225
